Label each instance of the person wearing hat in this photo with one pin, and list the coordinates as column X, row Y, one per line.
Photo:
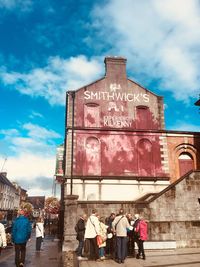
column 21, row 232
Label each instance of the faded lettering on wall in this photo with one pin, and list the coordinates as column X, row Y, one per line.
column 115, row 98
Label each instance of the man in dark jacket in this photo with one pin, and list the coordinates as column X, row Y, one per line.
column 21, row 232
column 80, row 229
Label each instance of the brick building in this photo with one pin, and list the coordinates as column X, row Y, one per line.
column 117, row 151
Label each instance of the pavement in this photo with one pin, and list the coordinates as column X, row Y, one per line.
column 189, row 257
column 50, row 256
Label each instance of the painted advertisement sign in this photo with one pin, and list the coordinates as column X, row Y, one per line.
column 116, row 99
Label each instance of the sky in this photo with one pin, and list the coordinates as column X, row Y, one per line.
column 48, row 47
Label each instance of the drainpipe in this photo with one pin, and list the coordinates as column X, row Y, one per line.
column 72, row 147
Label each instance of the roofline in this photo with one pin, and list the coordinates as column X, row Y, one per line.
column 100, row 79
column 145, row 88
column 172, row 185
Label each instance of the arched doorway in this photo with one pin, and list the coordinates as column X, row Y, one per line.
column 186, row 163
column 92, row 164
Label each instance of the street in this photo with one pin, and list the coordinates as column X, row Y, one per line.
column 50, row 256
column 175, row 258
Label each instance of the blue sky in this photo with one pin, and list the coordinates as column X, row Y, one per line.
column 48, row 47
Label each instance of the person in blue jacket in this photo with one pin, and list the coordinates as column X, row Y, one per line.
column 21, row 232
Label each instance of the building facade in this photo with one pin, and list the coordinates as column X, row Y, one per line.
column 116, row 147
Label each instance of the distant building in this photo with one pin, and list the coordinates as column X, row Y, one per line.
column 117, row 151
column 38, row 203
column 9, row 196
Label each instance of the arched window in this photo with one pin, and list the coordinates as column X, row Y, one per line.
column 92, row 163
column 143, row 118
column 91, row 115
column 145, row 158
column 186, row 163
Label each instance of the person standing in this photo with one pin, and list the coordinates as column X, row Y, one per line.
column 91, row 231
column 21, row 232
column 3, row 242
column 103, row 233
column 130, row 240
column 135, row 234
column 120, row 226
column 110, row 243
column 80, row 229
column 39, row 233
column 141, row 229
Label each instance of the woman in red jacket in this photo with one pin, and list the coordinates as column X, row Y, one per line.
column 141, row 228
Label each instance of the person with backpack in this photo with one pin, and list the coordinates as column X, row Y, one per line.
column 141, row 229
column 80, row 230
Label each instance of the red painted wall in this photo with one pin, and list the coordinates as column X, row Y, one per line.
column 106, row 115
column 117, row 154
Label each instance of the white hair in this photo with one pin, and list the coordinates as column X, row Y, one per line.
column 137, row 216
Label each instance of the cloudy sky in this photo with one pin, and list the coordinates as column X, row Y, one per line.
column 48, row 47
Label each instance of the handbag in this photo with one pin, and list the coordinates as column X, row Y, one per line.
column 99, row 240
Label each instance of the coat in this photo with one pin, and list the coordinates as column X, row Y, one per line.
column 142, row 229
column 39, row 229
column 120, row 224
column 3, row 242
column 21, row 230
column 103, row 233
column 80, row 229
column 92, row 227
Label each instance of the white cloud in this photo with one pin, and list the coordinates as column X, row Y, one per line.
column 161, row 40
column 23, row 5
column 34, row 114
column 31, row 158
column 31, row 172
column 52, row 81
column 38, row 132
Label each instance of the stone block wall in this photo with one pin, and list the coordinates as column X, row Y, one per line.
column 175, row 214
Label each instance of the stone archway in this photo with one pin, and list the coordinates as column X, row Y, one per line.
column 186, row 163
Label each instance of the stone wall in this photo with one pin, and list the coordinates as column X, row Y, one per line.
column 175, row 213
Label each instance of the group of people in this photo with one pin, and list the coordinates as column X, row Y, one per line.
column 114, row 236
column 21, row 233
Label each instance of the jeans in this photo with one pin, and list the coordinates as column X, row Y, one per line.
column 80, row 247
column 38, row 243
column 141, row 248
column 20, row 253
column 101, row 252
column 121, row 247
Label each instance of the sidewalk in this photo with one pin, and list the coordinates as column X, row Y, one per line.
column 175, row 258
column 50, row 256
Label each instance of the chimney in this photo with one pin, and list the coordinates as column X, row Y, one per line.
column 115, row 68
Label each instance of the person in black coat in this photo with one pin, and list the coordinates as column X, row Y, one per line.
column 80, row 230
